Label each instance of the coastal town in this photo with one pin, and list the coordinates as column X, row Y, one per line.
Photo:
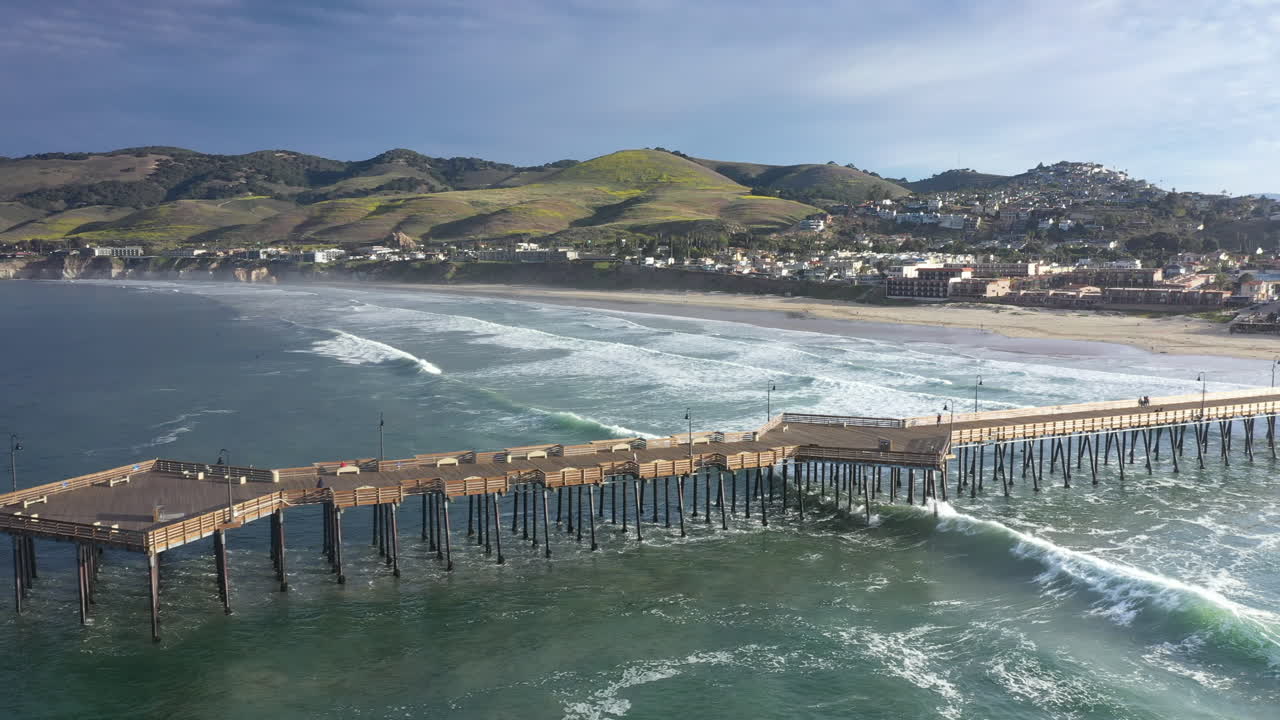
column 1074, row 235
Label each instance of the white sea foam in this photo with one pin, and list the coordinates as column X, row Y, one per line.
column 168, row 437
column 607, row 701
column 353, row 349
column 572, row 418
column 910, row 656
column 194, row 414
column 1126, row 591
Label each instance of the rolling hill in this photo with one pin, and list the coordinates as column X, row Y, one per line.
column 957, row 180
column 811, row 182
column 175, row 197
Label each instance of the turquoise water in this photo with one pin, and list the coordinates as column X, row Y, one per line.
column 1154, row 598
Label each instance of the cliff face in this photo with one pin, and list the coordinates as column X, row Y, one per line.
column 104, row 268
column 571, row 275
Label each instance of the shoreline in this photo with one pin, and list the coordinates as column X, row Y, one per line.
column 1173, row 335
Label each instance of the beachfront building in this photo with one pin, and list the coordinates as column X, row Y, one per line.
column 999, row 269
column 976, row 287
column 528, row 255
column 1116, row 277
column 126, row 251
column 926, row 283
column 1163, row 296
column 323, row 256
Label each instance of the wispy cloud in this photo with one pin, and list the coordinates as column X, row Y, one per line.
column 1183, row 92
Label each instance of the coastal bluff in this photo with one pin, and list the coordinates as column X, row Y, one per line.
column 578, row 275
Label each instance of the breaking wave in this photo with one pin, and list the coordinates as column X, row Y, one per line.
column 1127, row 592
column 574, row 421
column 355, row 350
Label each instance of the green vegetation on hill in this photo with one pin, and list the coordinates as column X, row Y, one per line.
column 955, row 181
column 59, row 226
column 177, row 196
column 811, row 183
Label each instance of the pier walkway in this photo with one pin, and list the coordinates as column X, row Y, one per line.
column 155, row 505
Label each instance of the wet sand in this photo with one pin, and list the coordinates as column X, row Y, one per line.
column 1180, row 335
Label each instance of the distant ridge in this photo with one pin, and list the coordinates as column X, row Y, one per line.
column 956, row 181
column 810, row 182
column 163, row 197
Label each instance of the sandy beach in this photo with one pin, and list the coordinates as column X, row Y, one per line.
column 1180, row 335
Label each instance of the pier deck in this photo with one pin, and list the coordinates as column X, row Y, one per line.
column 156, row 505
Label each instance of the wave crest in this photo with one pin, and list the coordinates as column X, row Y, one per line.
column 1127, row 592
column 353, row 349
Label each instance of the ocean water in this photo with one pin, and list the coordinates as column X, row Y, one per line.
column 1158, row 597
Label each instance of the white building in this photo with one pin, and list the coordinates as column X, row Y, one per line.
column 323, row 256
column 185, row 252
column 127, row 251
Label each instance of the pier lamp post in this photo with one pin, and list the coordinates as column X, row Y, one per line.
column 951, row 427
column 976, row 385
column 1273, row 371
column 381, row 454
column 224, row 459
column 768, row 406
column 689, row 416
column 14, row 446
column 1203, row 382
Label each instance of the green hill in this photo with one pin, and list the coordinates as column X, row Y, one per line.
column 60, row 225
column 828, row 183
column 178, row 196
column 956, row 181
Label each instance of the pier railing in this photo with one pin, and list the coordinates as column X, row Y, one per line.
column 888, row 457
column 102, row 477
column 178, row 467
column 842, row 420
column 64, row 530
column 1110, row 423
column 1014, row 413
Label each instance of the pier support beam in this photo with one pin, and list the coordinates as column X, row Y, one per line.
column 625, row 522
column 281, row 570
column 448, row 542
column 19, row 572
column 546, row 527
column 224, row 573
column 336, row 513
column 636, row 485
column 394, row 550
column 153, row 572
column 591, row 500
column 82, row 580
column 679, row 502
column 497, row 527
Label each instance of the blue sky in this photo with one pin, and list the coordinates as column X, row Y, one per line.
column 1184, row 93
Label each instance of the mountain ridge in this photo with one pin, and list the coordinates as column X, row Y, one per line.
column 172, row 196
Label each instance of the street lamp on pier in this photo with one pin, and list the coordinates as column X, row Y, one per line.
column 224, row 459
column 14, row 446
column 1203, row 383
column 688, row 415
column 976, row 385
column 1273, row 371
column 768, row 408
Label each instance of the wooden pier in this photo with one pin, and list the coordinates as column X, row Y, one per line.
column 153, row 506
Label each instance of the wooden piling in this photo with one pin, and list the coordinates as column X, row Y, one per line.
column 224, row 575
column 281, row 570
column 153, row 572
